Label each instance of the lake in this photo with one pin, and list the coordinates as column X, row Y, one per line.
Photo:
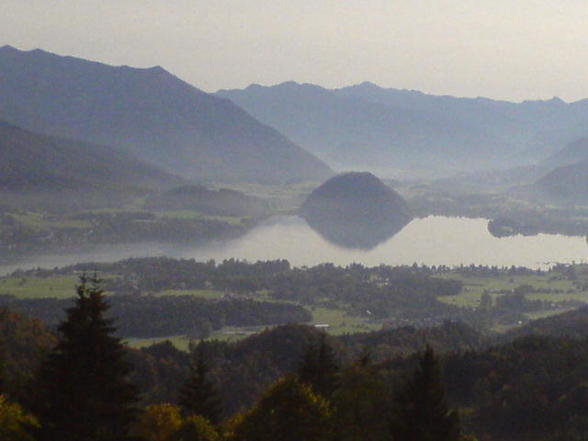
column 435, row 240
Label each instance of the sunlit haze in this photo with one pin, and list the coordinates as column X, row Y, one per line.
column 502, row 49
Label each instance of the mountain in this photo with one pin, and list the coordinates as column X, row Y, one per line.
column 390, row 129
column 355, row 210
column 149, row 113
column 223, row 202
column 567, row 184
column 31, row 163
column 575, row 151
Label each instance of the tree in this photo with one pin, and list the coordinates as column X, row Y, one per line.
column 159, row 422
column 320, row 368
column 288, row 411
column 199, row 395
column 420, row 411
column 197, row 428
column 358, row 403
column 83, row 391
column 14, row 421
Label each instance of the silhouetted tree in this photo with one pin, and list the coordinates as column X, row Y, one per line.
column 199, row 394
column 420, row 411
column 83, row 392
column 320, row 368
column 358, row 403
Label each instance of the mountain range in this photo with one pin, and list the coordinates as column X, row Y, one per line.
column 148, row 113
column 379, row 129
column 164, row 126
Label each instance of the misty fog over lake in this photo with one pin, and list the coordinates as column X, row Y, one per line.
column 435, row 240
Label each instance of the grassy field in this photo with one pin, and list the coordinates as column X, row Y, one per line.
column 282, row 198
column 37, row 220
column 203, row 293
column 37, row 287
column 182, row 342
column 179, row 341
column 474, row 287
column 189, row 214
column 341, row 323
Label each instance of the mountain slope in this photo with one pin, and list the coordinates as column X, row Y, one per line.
column 575, row 151
column 147, row 112
column 351, row 132
column 372, row 127
column 34, row 163
column 568, row 184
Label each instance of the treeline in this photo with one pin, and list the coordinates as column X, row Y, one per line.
column 530, row 388
column 160, row 316
column 403, row 294
column 61, row 234
column 83, row 391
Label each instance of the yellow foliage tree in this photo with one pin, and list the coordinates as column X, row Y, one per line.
column 288, row 411
column 159, row 422
column 197, row 428
column 14, row 421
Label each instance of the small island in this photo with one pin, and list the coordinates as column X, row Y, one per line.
column 355, row 210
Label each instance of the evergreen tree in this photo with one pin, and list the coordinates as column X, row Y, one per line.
column 199, row 394
column 83, row 392
column 358, row 403
column 2, row 367
column 320, row 368
column 420, row 411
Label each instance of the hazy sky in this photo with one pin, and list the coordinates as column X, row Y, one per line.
column 509, row 49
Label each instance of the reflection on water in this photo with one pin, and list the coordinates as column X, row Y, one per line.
column 434, row 240
column 362, row 235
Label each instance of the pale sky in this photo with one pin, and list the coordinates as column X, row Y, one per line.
column 504, row 49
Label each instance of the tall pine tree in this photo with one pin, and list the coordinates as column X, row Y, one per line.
column 320, row 368
column 199, row 394
column 83, row 391
column 420, row 411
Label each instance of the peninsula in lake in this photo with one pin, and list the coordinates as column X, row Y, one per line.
column 356, row 210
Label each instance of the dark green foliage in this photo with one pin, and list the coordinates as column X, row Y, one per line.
column 162, row 316
column 159, row 371
column 320, row 368
column 409, row 292
column 199, row 394
column 288, row 411
column 358, row 403
column 82, row 391
column 420, row 411
column 24, row 342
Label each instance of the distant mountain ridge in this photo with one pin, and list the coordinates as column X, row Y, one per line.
column 31, row 163
column 568, row 183
column 149, row 113
column 368, row 126
column 574, row 152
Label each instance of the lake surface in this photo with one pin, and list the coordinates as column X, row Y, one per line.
column 434, row 240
